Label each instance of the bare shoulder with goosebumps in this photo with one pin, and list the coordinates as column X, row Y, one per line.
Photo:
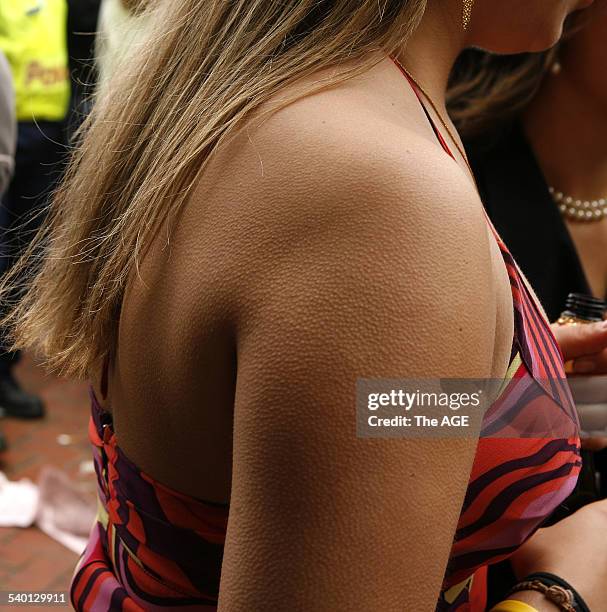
column 330, row 243
column 332, row 175
column 355, row 252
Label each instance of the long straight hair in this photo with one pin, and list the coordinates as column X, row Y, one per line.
column 134, row 6
column 205, row 67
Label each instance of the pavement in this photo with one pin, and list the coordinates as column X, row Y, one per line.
column 29, row 559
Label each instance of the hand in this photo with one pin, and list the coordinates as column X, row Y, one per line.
column 585, row 345
column 585, row 348
column 574, row 549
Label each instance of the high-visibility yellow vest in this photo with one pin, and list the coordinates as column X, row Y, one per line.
column 33, row 36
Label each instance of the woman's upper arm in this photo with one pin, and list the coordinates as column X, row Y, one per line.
column 343, row 278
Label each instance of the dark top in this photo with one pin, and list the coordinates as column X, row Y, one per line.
column 81, row 29
column 516, row 197
column 517, row 200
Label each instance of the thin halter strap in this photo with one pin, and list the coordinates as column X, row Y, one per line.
column 444, row 145
column 420, row 99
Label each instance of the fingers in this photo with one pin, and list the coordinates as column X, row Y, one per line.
column 581, row 340
column 590, row 364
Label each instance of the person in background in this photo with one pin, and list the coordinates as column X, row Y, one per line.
column 81, row 26
column 8, row 128
column 271, row 204
column 541, row 169
column 33, row 35
column 8, row 137
column 541, row 164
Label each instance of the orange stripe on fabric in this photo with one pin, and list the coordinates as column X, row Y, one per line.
column 147, row 583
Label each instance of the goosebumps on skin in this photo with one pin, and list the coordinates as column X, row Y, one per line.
column 356, row 263
column 337, row 239
column 329, row 251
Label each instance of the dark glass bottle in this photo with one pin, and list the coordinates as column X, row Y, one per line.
column 590, row 395
column 581, row 309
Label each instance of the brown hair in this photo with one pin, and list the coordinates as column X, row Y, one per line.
column 486, row 90
column 207, row 66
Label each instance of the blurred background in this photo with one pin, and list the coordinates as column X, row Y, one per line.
column 47, row 482
column 54, row 56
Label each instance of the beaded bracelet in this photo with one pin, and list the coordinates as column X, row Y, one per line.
column 555, row 589
column 559, row 596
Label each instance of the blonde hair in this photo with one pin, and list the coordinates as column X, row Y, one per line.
column 134, row 6
column 207, row 66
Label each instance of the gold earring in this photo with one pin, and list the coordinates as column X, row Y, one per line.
column 467, row 13
column 556, row 67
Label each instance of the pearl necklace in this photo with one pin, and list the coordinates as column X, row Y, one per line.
column 579, row 210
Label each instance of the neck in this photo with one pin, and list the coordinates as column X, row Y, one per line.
column 432, row 50
column 566, row 125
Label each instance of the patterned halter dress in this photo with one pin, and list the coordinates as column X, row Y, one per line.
column 153, row 548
